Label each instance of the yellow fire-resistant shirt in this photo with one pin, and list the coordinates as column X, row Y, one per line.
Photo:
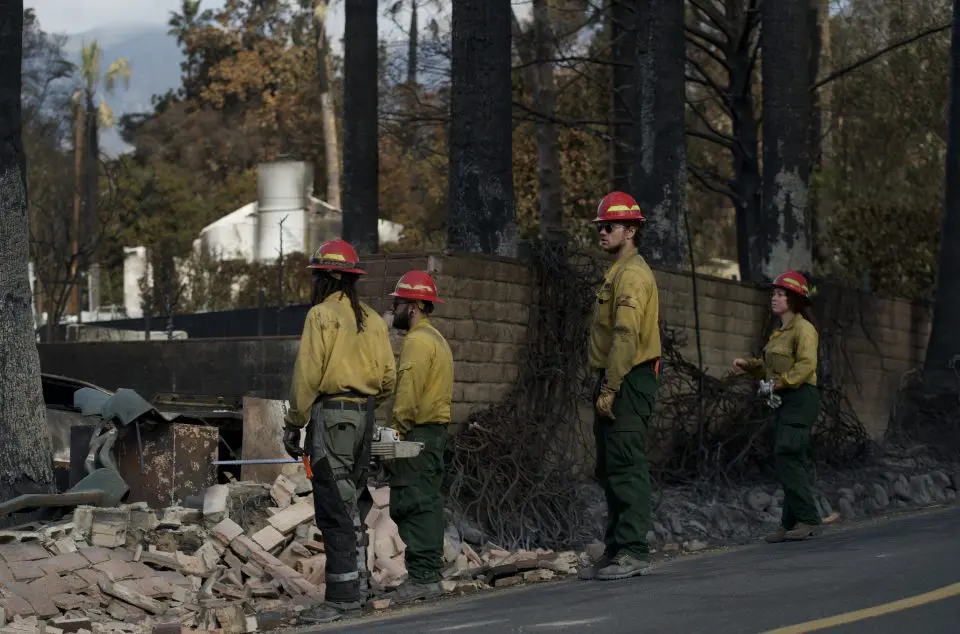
column 790, row 356
column 625, row 331
column 335, row 358
column 425, row 379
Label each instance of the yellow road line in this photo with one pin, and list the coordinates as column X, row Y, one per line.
column 939, row 594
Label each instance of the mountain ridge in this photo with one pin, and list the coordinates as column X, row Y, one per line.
column 154, row 58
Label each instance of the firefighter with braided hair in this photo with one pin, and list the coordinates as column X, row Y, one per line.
column 788, row 378
column 344, row 366
column 624, row 355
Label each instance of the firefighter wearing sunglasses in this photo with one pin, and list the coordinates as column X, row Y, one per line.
column 624, row 355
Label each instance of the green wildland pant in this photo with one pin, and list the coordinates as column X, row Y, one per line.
column 795, row 419
column 416, row 503
column 622, row 467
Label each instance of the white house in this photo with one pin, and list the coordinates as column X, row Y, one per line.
column 285, row 218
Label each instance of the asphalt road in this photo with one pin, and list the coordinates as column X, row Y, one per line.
column 750, row 590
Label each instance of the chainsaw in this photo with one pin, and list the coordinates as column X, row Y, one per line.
column 386, row 445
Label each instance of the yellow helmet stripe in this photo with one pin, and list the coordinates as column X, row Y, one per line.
column 415, row 287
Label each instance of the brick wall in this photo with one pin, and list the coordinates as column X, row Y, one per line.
column 484, row 319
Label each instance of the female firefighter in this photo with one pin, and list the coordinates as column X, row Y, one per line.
column 788, row 373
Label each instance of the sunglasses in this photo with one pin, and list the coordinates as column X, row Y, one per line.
column 606, row 227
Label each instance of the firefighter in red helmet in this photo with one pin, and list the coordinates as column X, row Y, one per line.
column 344, row 365
column 421, row 413
column 624, row 354
column 788, row 378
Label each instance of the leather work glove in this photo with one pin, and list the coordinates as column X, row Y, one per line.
column 291, row 441
column 605, row 402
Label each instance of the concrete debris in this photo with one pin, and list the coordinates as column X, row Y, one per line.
column 232, row 566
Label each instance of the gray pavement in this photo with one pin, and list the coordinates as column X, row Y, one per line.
column 748, row 590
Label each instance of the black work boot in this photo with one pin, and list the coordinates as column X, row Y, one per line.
column 625, row 565
column 589, row 573
column 410, row 591
column 329, row 612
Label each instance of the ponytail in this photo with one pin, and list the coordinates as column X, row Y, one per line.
column 801, row 306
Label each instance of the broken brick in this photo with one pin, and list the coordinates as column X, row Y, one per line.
column 117, row 570
column 95, row 554
column 64, row 546
column 173, row 577
column 268, row 538
column 26, row 570
column 133, row 598
column 13, row 553
column 69, row 624
column 91, row 576
column 232, row 619
column 226, row 531
column 42, row 605
column 51, row 584
column 15, row 605
column 289, row 518
column 64, row 563
column 507, row 581
column 71, row 601
column 164, row 560
column 124, row 611
column 282, row 491
column 215, row 502
column 144, row 519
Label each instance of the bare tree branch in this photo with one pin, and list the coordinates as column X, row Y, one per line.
column 708, row 50
column 571, row 58
column 709, row 11
column 715, row 135
column 720, row 140
column 693, row 29
column 702, row 176
column 721, row 93
column 883, row 51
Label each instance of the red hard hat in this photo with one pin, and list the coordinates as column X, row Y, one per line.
column 618, row 207
column 336, row 255
column 417, row 285
column 794, row 282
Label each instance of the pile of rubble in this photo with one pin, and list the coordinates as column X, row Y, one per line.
column 249, row 560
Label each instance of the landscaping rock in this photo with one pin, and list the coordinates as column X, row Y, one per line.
column 759, row 500
column 880, row 496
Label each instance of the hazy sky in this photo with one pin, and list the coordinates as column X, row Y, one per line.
column 77, row 16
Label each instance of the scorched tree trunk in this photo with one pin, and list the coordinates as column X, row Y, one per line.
column 361, row 167
column 482, row 212
column 940, row 367
column 25, row 459
column 623, row 100
column 785, row 225
column 662, row 164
